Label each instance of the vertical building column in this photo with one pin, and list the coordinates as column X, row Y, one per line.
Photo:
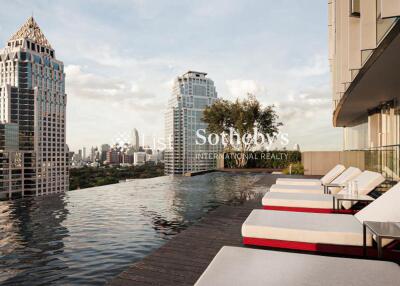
column 9, row 176
column 368, row 24
column 332, row 48
column 37, row 152
column 354, row 43
column 345, row 17
column 23, row 173
column 338, row 51
column 331, row 29
column 390, row 8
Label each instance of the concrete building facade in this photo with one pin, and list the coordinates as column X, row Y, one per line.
column 364, row 44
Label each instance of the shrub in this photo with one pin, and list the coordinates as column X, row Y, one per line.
column 264, row 159
column 294, row 169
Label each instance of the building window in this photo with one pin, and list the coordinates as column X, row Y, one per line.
column 355, row 8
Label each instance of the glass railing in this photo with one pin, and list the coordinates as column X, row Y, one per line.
column 385, row 160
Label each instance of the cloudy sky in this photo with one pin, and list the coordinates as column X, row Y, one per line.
column 121, row 58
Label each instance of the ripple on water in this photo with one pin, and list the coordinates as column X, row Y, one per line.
column 90, row 235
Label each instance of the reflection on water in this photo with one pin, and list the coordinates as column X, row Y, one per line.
column 88, row 236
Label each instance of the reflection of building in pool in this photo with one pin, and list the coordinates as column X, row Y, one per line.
column 33, row 232
column 163, row 225
column 189, row 198
column 33, row 150
column 364, row 57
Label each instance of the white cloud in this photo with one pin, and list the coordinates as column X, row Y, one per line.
column 239, row 88
column 108, row 56
column 117, row 91
column 316, row 67
column 307, row 103
column 121, row 58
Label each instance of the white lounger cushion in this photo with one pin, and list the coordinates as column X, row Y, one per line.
column 319, row 201
column 329, row 177
column 297, row 189
column 338, row 229
column 244, row 266
column 367, row 181
column 349, row 174
column 385, row 208
column 308, row 197
column 298, row 182
column 332, row 174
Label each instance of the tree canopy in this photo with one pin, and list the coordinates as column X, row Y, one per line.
column 245, row 117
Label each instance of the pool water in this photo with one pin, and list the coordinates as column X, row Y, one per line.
column 88, row 236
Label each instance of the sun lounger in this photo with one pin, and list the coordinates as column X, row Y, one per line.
column 322, row 203
column 244, row 266
column 329, row 177
column 319, row 232
column 334, row 187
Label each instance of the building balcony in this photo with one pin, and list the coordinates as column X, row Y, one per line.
column 376, row 83
column 363, row 57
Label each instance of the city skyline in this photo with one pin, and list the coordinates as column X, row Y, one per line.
column 124, row 56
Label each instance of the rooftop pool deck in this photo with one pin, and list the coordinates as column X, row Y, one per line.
column 160, row 231
column 184, row 258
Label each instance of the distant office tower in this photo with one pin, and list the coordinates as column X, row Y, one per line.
column 127, row 159
column 114, row 156
column 105, row 147
column 191, row 93
column 33, row 150
column 93, row 154
column 103, row 152
column 135, row 139
column 139, row 158
column 84, row 154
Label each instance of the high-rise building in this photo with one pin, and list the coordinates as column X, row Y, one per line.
column 127, row 159
column 94, row 154
column 33, row 151
column 364, row 56
column 139, row 158
column 135, row 139
column 191, row 93
column 114, row 156
column 103, row 153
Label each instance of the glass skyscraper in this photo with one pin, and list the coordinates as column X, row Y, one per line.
column 191, row 93
column 135, row 139
column 33, row 150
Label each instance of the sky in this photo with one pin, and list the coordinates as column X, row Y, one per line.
column 121, row 58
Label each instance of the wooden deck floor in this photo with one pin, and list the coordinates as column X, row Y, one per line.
column 183, row 259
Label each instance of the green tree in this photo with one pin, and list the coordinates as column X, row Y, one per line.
column 244, row 117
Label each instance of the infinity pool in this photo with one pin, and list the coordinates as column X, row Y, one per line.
column 88, row 236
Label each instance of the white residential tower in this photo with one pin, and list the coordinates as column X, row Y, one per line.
column 191, row 93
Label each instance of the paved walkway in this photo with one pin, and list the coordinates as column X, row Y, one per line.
column 183, row 259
